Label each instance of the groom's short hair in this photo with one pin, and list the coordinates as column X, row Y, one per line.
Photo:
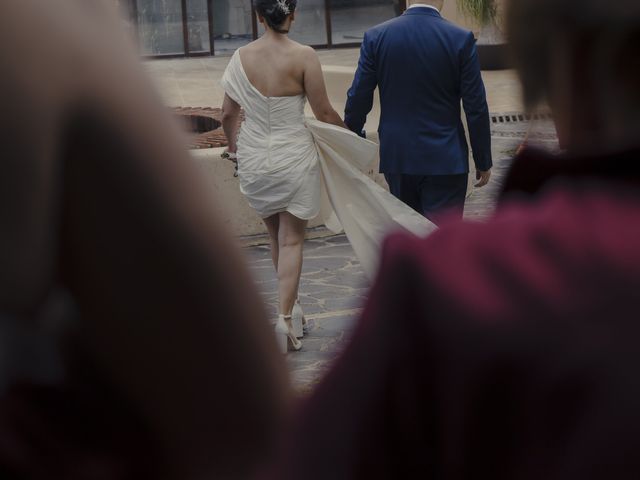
column 608, row 34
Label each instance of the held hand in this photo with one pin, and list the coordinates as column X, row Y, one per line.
column 483, row 178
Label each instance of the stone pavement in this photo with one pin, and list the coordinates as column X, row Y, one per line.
column 333, row 288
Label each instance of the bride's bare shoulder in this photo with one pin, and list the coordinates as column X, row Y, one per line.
column 252, row 52
column 303, row 49
column 304, row 53
column 249, row 47
column 256, row 46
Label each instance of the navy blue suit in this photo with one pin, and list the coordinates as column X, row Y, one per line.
column 424, row 66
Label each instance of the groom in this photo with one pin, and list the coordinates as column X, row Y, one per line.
column 423, row 66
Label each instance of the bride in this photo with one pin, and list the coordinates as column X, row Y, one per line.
column 288, row 166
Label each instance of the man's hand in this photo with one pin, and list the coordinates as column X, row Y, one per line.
column 483, row 178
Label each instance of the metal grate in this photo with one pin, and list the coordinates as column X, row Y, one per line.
column 518, row 117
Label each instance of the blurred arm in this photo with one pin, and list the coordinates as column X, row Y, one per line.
column 169, row 312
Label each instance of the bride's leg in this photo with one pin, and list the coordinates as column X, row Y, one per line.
column 290, row 242
column 273, row 225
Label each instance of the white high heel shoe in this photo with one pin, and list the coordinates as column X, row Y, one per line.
column 285, row 334
column 300, row 324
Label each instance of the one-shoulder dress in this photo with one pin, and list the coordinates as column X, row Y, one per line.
column 277, row 158
column 287, row 162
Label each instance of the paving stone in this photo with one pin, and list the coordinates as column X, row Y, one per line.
column 258, row 253
column 312, row 308
column 354, row 280
column 321, row 275
column 263, row 274
column 340, row 323
column 347, row 303
column 324, row 264
column 314, row 346
column 269, row 287
column 329, row 250
column 324, row 292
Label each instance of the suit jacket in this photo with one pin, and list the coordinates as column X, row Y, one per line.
column 501, row 350
column 423, row 66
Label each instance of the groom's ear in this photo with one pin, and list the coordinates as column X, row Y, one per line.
column 293, row 16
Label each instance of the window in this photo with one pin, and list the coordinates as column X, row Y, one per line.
column 164, row 28
column 198, row 26
column 160, row 27
column 310, row 26
column 351, row 18
column 232, row 25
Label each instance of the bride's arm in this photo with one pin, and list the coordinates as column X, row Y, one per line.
column 316, row 90
column 230, row 117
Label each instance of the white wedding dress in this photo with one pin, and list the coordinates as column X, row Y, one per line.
column 287, row 162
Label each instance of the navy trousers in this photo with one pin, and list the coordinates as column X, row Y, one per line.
column 433, row 196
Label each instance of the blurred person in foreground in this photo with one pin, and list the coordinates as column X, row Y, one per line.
column 133, row 344
column 525, row 365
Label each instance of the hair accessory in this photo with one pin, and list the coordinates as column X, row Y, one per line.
column 282, row 5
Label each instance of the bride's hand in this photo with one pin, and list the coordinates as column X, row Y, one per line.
column 229, row 155
column 233, row 157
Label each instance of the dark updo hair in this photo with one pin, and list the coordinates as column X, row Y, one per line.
column 275, row 12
